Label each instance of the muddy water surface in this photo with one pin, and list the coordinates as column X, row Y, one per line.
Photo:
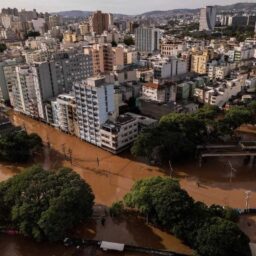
column 111, row 177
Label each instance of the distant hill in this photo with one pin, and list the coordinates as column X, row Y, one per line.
column 169, row 12
column 232, row 7
column 74, row 13
column 237, row 7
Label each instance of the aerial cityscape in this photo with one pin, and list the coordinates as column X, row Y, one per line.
column 128, row 128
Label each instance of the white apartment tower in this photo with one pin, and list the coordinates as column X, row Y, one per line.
column 66, row 114
column 147, row 39
column 207, row 18
column 24, row 92
column 95, row 102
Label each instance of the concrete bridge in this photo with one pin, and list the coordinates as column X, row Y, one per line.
column 244, row 149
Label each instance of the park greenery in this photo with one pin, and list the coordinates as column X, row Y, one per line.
column 45, row 205
column 178, row 134
column 211, row 231
column 18, row 146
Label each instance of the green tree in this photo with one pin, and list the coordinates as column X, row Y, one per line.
column 18, row 146
column 46, row 204
column 235, row 117
column 207, row 112
column 206, row 229
column 33, row 34
column 3, row 47
column 161, row 200
column 116, row 209
column 114, row 44
column 219, row 237
column 176, row 136
column 128, row 40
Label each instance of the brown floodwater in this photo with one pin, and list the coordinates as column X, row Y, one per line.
column 113, row 176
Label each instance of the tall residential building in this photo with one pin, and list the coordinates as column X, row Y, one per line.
column 43, row 86
column 58, row 75
column 54, row 21
column 102, row 58
column 70, row 66
column 199, row 61
column 207, row 18
column 66, row 114
column 7, row 80
column 10, row 78
column 84, row 28
column 25, row 100
column 100, row 21
column 147, row 39
column 95, row 102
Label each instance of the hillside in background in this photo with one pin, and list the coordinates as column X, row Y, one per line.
column 234, row 7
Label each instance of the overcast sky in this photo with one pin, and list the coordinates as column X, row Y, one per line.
column 115, row 6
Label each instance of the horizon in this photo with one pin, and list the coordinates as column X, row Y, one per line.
column 115, row 6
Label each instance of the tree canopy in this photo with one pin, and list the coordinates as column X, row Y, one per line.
column 3, row 47
column 45, row 204
column 128, row 40
column 18, row 146
column 114, row 43
column 33, row 34
column 178, row 134
column 165, row 204
column 219, row 237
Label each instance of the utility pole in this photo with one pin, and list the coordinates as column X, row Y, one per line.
column 247, row 197
column 232, row 170
column 64, row 149
column 24, row 127
column 48, row 141
column 171, row 169
column 98, row 161
column 70, row 154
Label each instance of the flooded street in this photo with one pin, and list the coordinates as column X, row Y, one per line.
column 112, row 177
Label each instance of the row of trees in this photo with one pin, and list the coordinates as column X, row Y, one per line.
column 18, row 146
column 45, row 205
column 178, row 134
column 211, row 231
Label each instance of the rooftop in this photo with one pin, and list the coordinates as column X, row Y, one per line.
column 152, row 85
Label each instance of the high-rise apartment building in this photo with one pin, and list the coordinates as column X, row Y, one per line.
column 66, row 114
column 102, row 58
column 207, row 18
column 10, row 78
column 54, row 21
column 24, row 94
column 44, row 86
column 95, row 102
column 58, row 75
column 199, row 62
column 100, row 21
column 147, row 39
